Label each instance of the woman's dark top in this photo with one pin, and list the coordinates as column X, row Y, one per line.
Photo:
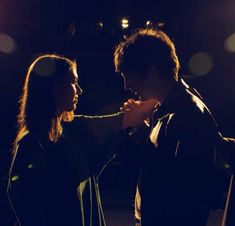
column 56, row 184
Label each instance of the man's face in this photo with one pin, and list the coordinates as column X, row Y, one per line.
column 134, row 83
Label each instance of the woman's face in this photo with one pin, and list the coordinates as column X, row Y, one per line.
column 67, row 91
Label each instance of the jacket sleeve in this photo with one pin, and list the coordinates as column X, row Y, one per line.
column 103, row 127
column 225, row 155
column 97, row 139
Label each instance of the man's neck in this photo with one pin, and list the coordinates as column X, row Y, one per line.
column 163, row 89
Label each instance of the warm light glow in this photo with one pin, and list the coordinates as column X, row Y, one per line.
column 125, row 23
column 200, row 63
column 229, row 44
column 148, row 23
column 7, row 44
column 101, row 24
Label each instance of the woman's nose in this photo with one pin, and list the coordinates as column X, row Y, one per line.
column 79, row 89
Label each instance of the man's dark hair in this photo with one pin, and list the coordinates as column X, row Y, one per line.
column 145, row 48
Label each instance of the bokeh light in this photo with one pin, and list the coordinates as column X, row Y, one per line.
column 200, row 63
column 15, row 178
column 229, row 44
column 7, row 44
column 125, row 23
column 101, row 24
column 30, row 166
column 148, row 23
column 72, row 30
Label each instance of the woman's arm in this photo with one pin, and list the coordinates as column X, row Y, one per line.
column 105, row 126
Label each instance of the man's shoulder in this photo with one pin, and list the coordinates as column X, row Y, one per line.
column 191, row 115
column 193, row 110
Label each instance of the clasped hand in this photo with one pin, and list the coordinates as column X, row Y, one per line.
column 137, row 112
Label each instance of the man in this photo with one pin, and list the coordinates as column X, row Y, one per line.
column 177, row 167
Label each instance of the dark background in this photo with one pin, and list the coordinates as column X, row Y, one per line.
column 71, row 28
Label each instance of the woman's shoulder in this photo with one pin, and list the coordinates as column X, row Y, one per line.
column 29, row 140
column 28, row 153
column 27, row 146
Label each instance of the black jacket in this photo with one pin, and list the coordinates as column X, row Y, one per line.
column 177, row 172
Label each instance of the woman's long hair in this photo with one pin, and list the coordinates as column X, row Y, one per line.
column 38, row 113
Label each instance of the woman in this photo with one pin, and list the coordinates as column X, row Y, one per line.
column 53, row 176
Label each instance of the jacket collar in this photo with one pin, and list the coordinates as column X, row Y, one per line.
column 172, row 100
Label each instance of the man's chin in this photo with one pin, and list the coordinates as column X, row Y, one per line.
column 142, row 97
column 137, row 95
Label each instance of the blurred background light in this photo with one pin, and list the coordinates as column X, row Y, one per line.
column 72, row 29
column 7, row 44
column 125, row 23
column 148, row 23
column 200, row 63
column 101, row 24
column 230, row 43
column 30, row 166
column 14, row 178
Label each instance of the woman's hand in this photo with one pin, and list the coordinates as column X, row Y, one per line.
column 130, row 104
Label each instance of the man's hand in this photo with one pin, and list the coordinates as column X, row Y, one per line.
column 136, row 112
